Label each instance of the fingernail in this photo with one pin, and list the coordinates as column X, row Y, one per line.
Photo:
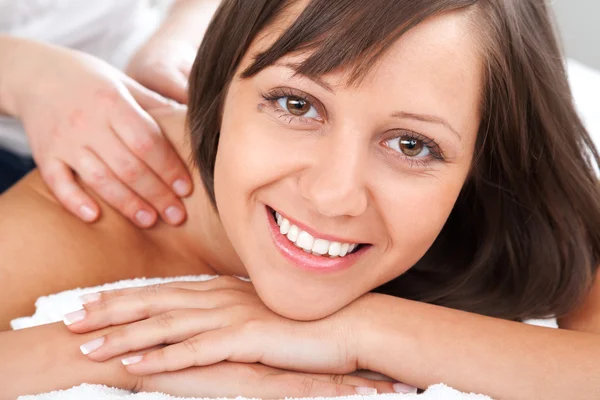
column 366, row 390
column 404, row 388
column 89, row 298
column 181, row 187
column 87, row 213
column 93, row 345
column 144, row 217
column 75, row 316
column 174, row 214
column 132, row 360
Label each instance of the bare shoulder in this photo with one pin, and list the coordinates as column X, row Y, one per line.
column 44, row 249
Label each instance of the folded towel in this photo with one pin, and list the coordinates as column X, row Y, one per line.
column 52, row 308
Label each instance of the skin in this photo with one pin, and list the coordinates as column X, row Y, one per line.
column 82, row 115
column 335, row 152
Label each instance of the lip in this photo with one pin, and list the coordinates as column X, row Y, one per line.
column 308, row 261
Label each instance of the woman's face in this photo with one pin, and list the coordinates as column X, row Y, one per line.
column 379, row 164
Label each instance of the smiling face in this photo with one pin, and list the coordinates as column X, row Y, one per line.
column 378, row 164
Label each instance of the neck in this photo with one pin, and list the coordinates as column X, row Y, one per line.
column 201, row 239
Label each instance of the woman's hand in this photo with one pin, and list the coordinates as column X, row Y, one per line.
column 227, row 379
column 164, row 66
column 204, row 323
column 83, row 115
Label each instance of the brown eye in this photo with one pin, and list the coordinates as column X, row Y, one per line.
column 297, row 106
column 411, row 147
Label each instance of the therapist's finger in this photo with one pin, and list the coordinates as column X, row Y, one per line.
column 61, row 181
column 144, row 138
column 146, row 98
column 134, row 173
column 97, row 175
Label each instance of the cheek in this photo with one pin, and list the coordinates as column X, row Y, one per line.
column 415, row 215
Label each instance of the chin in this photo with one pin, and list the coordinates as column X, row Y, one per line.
column 300, row 306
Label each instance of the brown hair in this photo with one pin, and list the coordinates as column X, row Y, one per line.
column 523, row 239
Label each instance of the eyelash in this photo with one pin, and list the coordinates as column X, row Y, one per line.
column 272, row 97
column 276, row 94
column 435, row 152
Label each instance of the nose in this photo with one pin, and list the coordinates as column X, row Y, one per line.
column 335, row 183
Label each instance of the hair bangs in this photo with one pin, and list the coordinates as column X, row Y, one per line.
column 351, row 34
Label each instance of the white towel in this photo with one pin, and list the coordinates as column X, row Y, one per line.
column 52, row 308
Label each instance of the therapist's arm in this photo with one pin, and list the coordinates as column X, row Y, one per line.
column 164, row 63
column 187, row 21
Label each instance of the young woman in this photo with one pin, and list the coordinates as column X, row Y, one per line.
column 402, row 181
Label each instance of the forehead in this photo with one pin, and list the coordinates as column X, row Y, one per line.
column 435, row 67
column 440, row 38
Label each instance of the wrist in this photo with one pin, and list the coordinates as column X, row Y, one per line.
column 12, row 52
column 377, row 331
column 187, row 21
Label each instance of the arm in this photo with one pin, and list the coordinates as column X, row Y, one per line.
column 187, row 21
column 164, row 63
column 427, row 344
column 47, row 357
column 9, row 48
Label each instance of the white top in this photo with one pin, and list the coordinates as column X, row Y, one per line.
column 109, row 29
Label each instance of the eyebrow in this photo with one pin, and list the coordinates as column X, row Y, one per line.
column 316, row 80
column 427, row 118
column 400, row 114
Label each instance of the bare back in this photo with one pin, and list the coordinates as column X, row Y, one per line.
column 44, row 249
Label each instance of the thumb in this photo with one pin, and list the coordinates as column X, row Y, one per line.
column 145, row 97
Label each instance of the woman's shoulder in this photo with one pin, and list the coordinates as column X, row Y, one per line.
column 44, row 249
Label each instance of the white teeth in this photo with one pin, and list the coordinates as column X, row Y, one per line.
column 344, row 249
column 320, row 246
column 293, row 233
column 334, row 249
column 305, row 241
column 309, row 244
column 284, row 226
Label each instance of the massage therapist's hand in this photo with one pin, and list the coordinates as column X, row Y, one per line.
column 164, row 66
column 83, row 115
column 203, row 323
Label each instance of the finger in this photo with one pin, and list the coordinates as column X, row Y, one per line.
column 103, row 181
column 215, row 283
column 200, row 350
column 381, row 386
column 144, row 304
column 228, row 379
column 138, row 176
column 145, row 97
column 163, row 329
column 140, row 133
column 59, row 178
column 169, row 82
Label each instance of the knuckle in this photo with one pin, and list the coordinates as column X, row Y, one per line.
column 192, row 345
column 165, row 321
column 99, row 177
column 130, row 170
column 337, row 379
column 307, row 386
column 144, row 144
